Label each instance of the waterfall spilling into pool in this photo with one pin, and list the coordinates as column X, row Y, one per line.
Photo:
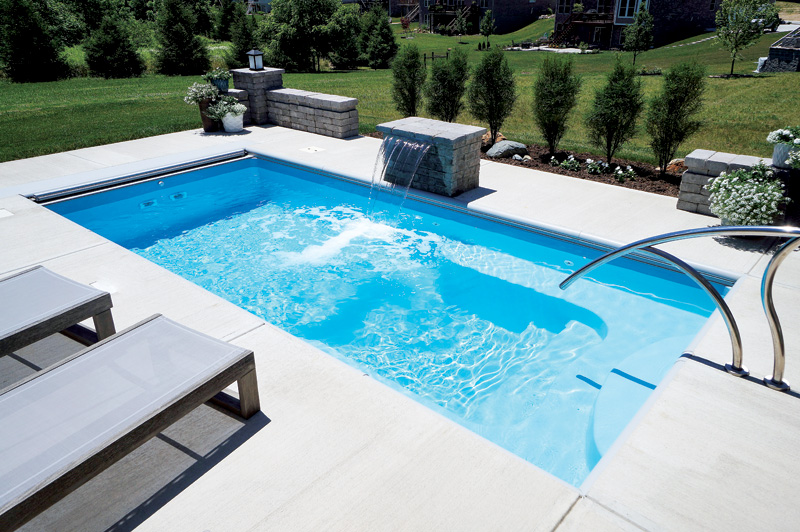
column 396, row 164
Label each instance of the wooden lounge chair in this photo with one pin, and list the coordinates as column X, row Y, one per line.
column 36, row 303
column 67, row 423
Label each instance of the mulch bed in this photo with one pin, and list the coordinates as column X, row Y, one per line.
column 647, row 180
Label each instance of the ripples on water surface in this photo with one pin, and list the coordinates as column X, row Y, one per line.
column 464, row 315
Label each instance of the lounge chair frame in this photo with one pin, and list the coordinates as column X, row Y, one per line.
column 32, row 503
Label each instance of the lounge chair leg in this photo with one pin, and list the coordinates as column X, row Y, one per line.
column 248, row 394
column 104, row 324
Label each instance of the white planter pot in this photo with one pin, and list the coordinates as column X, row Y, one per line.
column 779, row 155
column 233, row 124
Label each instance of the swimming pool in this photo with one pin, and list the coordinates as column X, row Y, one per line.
column 460, row 312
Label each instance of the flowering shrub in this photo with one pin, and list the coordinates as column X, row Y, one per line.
column 790, row 135
column 199, row 92
column 571, row 164
column 747, row 197
column 794, row 159
column 597, row 167
column 554, row 161
column 624, row 175
column 217, row 73
column 226, row 104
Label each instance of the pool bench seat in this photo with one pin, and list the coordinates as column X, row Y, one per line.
column 64, row 425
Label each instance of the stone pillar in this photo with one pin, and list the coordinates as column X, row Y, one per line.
column 703, row 166
column 256, row 83
column 452, row 163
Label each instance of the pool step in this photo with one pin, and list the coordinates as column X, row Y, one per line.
column 626, row 389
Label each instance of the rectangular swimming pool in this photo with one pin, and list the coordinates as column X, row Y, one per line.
column 460, row 312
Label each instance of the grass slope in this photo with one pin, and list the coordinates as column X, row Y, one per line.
column 37, row 119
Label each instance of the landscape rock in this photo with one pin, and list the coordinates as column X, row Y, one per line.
column 677, row 166
column 527, row 158
column 486, row 140
column 507, row 148
column 517, row 157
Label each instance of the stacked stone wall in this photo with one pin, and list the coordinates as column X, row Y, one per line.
column 324, row 114
column 256, row 83
column 703, row 166
column 451, row 165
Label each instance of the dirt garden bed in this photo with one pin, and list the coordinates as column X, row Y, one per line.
column 647, row 180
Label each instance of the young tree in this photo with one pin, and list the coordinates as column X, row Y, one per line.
column 447, row 85
column 638, row 36
column 671, row 118
column 408, row 77
column 493, row 92
column 616, row 107
column 460, row 24
column 28, row 47
column 487, row 26
column 555, row 93
column 738, row 26
column 181, row 52
column 110, row 52
column 344, row 29
column 243, row 38
column 380, row 46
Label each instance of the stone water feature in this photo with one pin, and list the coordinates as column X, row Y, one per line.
column 452, row 163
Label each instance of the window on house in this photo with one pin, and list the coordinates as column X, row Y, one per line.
column 713, row 5
column 563, row 6
column 627, row 8
column 484, row 4
column 604, row 6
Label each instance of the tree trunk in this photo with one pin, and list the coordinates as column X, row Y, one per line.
column 732, row 62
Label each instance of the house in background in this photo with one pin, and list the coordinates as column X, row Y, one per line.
column 509, row 15
column 602, row 21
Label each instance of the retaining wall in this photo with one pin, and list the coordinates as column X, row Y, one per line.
column 705, row 165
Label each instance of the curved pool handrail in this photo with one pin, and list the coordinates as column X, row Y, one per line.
column 775, row 380
column 735, row 367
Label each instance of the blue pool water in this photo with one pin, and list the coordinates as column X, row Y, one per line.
column 461, row 313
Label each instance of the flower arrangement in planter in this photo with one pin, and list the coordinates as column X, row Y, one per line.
column 219, row 77
column 794, row 160
column 747, row 197
column 202, row 95
column 784, row 142
column 230, row 112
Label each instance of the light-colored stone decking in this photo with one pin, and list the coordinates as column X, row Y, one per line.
column 336, row 450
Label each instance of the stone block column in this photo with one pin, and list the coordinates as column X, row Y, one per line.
column 703, row 167
column 451, row 165
column 256, row 83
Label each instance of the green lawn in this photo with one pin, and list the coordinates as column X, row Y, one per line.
column 37, row 119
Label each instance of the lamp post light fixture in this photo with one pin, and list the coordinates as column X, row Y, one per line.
column 256, row 60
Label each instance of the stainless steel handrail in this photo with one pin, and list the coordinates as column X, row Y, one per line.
column 775, row 380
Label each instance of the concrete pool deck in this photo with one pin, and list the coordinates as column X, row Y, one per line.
column 336, row 450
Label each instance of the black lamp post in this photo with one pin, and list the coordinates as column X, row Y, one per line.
column 256, row 60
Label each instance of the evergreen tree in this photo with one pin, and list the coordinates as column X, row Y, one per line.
column 408, row 78
column 110, row 53
column 381, row 46
column 243, row 38
column 672, row 116
column 181, row 52
column 738, row 26
column 638, row 37
column 28, row 47
column 344, row 30
column 493, row 92
column 225, row 17
column 616, row 107
column 296, row 33
column 447, row 85
column 555, row 93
